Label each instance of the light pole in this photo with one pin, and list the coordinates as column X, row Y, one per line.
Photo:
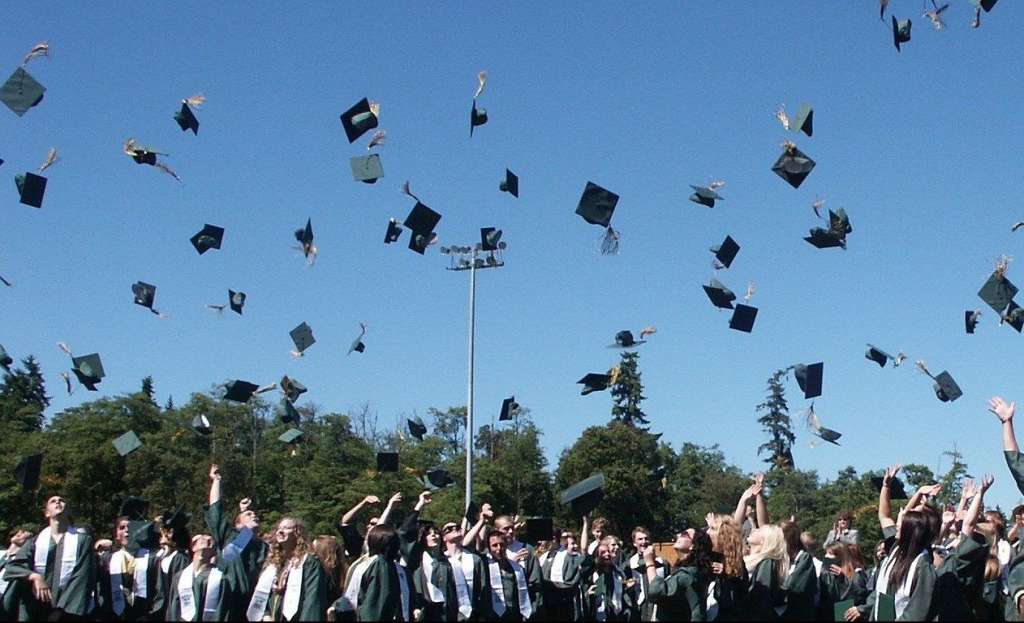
column 468, row 258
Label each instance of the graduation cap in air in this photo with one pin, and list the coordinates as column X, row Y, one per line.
column 145, row 295
column 187, row 119
column 436, row 478
column 290, row 436
column 358, row 120
column 538, row 529
column 835, row 235
column 387, row 461
column 201, row 425
column 743, row 317
column 809, row 378
column 127, row 443
column 291, row 414
column 209, row 237
column 304, row 237
column 5, row 359
column 998, row 291
column 366, row 169
column 985, row 4
column 705, row 196
column 584, row 496
column 477, row 117
column 489, row 238
column 725, row 253
column 511, row 184
column 509, row 407
column 357, row 344
column 971, row 319
column 594, row 383
column 803, row 121
column 175, row 520
column 721, row 296
column 394, row 231
column 945, row 387
column 89, row 370
column 896, row 490
column 21, row 92
column 814, row 424
column 134, row 508
column 141, row 154
column 472, row 512
column 1014, row 316
column 26, row 472
column 302, row 337
column 236, row 300
column 240, row 391
column 625, row 339
column 416, row 427
column 292, row 388
column 900, row 32
column 31, row 188
column 793, row 165
column 880, row 357
column 421, row 221
column 142, row 535
column 597, row 205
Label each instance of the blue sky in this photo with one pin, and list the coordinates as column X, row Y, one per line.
column 920, row 147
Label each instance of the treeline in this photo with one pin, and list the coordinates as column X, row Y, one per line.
column 333, row 465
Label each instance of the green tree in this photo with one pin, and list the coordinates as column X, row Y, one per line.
column 702, row 481
column 147, row 389
column 792, row 492
column 23, row 396
column 627, row 392
column 514, row 479
column 917, row 475
column 776, row 423
column 952, row 480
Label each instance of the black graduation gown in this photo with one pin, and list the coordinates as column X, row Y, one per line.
column 800, row 586
column 77, row 595
column 730, row 593
column 604, row 589
column 313, row 601
column 764, row 592
column 175, row 560
column 243, row 576
column 561, row 601
column 200, row 582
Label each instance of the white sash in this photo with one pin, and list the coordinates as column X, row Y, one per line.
column 3, row 583
column 116, row 589
column 592, row 547
column 558, row 566
column 902, row 596
column 186, row 596
column 350, row 600
column 68, row 559
column 463, row 581
column 434, row 594
column 140, row 588
column 235, row 547
column 616, row 595
column 641, row 578
column 498, row 589
column 165, row 563
column 403, row 587
column 292, row 592
column 711, row 603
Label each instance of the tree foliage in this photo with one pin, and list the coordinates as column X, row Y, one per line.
column 628, row 392
column 776, row 423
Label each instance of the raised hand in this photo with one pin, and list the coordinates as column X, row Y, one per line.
column 890, row 473
column 214, row 472
column 986, row 482
column 486, row 512
column 759, row 479
column 371, row 499
column 395, row 499
column 717, row 568
column 1002, row 410
column 244, row 504
column 649, row 558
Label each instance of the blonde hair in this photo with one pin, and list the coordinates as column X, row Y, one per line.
column 773, row 547
column 276, row 555
column 729, row 543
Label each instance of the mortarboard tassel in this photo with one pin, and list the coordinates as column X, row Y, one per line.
column 900, row 357
column 5, row 282
column 217, row 308
column 378, row 139
column 266, row 388
column 67, row 382
column 647, row 331
column 935, row 15
column 195, row 101
column 51, row 159
column 1002, row 264
column 375, row 109
column 482, row 79
column 613, row 375
column 781, row 115
column 976, row 22
column 166, row 169
column 296, row 354
column 610, row 242
column 64, row 347
column 920, row 364
column 750, row 291
column 40, row 49
column 407, row 191
column 817, row 205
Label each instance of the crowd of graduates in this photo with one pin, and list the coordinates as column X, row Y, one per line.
column 953, row 563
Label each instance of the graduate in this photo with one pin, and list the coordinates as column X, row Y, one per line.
column 767, row 565
column 238, row 541
column 174, row 555
column 198, row 590
column 57, row 568
column 355, row 543
column 468, row 569
column 379, row 587
column 509, row 595
column 434, row 578
column 9, row 591
column 598, row 530
column 562, row 578
column 681, row 595
column 332, row 556
column 607, row 595
column 842, row 578
column 636, row 567
column 292, row 585
column 801, row 583
column 522, row 553
column 729, row 575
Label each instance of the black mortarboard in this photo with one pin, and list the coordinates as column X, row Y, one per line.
column 900, row 32
column 292, row 388
column 489, row 237
column 419, row 241
column 421, row 219
column 175, row 520
column 437, row 478
column 538, row 529
column 597, row 205
column 726, row 252
column 743, row 318
column 803, row 121
column 187, row 119
column 302, row 337
column 290, row 436
column 89, row 370
column 584, row 496
column 358, row 120
column 5, row 359
column 809, row 378
column 142, row 535
column 511, row 184
column 134, row 508
column 971, row 320
column 305, row 236
column 509, row 407
column 145, row 294
column 236, row 300
column 985, row 4
column 839, row 222
column 877, row 355
column 31, row 188
column 127, row 443
column 366, row 168
column 209, row 237
column 472, row 512
column 721, row 296
column 998, row 292
column 825, row 238
column 793, row 165
column 357, row 344
column 21, row 92
column 477, row 116
column 387, row 461
column 26, row 472
column 201, row 424
column 625, row 339
column 291, row 414
column 594, row 383
column 416, row 427
column 1014, row 316
column 946, row 388
column 705, row 196
column 240, row 391
column 829, row 435
column 896, row 490
column 394, row 231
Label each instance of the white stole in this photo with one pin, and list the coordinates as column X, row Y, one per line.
column 403, row 587
column 498, row 589
column 140, row 588
column 616, row 595
column 68, row 559
column 711, row 604
column 641, row 578
column 558, row 566
column 165, row 563
column 462, row 569
column 186, row 594
column 235, row 547
column 3, row 583
column 434, row 594
column 902, row 596
column 292, row 592
column 117, row 560
column 350, row 600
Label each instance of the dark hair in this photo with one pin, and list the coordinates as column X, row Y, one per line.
column 844, row 514
column 1017, row 510
column 791, row 533
column 421, row 537
column 383, row 540
column 915, row 536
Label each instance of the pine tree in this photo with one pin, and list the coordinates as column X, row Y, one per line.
column 170, row 404
column 627, row 392
column 777, row 424
column 23, row 395
column 147, row 389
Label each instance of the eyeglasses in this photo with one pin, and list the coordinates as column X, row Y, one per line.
column 449, row 528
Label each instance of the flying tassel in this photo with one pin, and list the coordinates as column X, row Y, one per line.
column 129, row 147
column 406, row 190
column 166, row 169
column 375, row 109
column 900, row 357
column 266, row 388
column 716, row 185
column 195, row 101
column 64, row 347
column 378, row 139
column 647, row 331
column 811, row 419
column 38, row 50
column 1001, row 265
column 51, row 159
column 923, row 368
column 976, row 22
column 750, row 291
column 781, row 115
column 5, row 282
column 296, row 354
column 610, row 242
column 788, row 146
column 817, row 205
column 217, row 308
column 67, row 382
column 482, row 79
column 613, row 375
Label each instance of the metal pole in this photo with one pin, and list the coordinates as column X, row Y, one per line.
column 469, row 402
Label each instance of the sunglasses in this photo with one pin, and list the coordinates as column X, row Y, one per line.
column 449, row 528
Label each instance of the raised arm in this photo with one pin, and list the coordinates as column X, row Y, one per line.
column 392, row 503
column 759, row 505
column 884, row 506
column 347, row 518
column 214, row 484
column 740, row 514
column 1004, row 412
column 922, row 494
column 585, row 535
column 469, row 539
column 976, row 507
